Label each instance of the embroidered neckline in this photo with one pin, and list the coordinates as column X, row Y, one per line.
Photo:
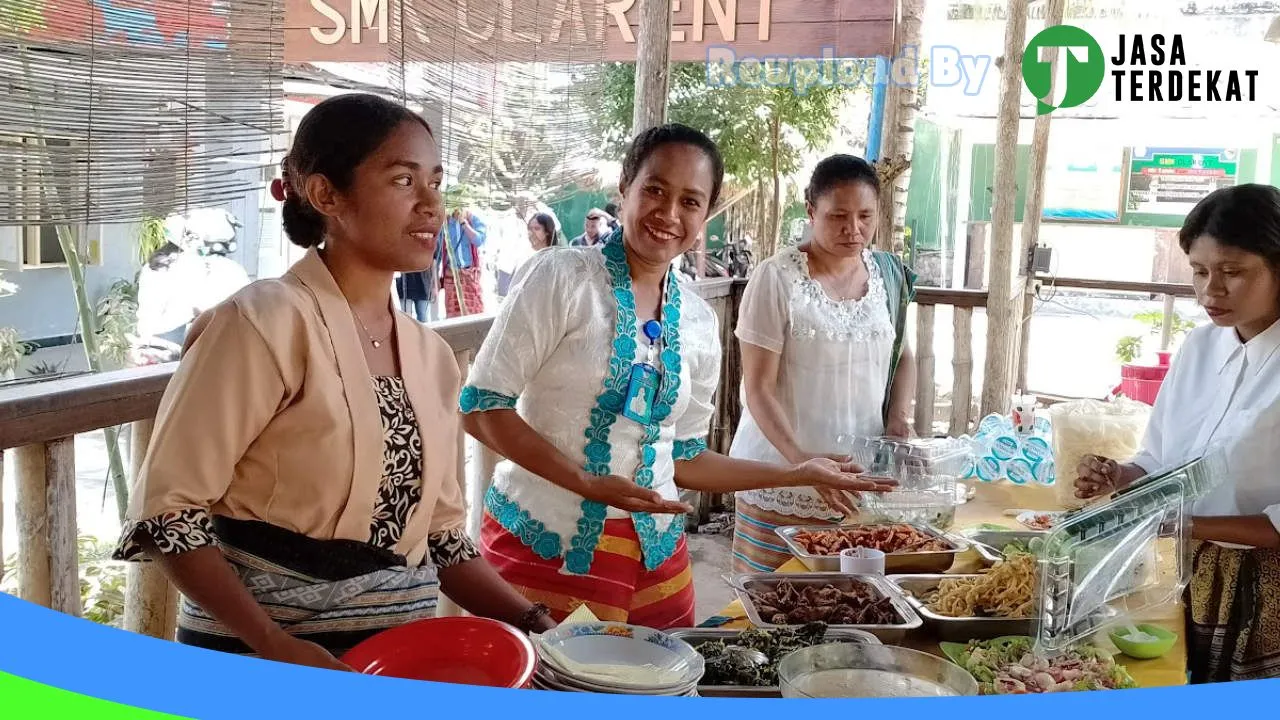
column 655, row 547
column 800, row 260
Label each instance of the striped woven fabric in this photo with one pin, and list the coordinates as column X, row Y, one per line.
column 618, row 588
column 335, row 614
column 756, row 547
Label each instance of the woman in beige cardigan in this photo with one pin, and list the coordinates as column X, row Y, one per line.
column 300, row 487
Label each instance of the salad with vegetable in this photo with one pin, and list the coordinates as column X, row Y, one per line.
column 1009, row 666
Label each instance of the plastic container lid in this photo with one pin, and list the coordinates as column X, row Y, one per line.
column 1106, row 559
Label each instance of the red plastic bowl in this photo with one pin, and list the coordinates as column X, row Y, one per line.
column 460, row 650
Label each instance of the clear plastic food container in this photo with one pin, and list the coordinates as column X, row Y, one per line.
column 926, row 471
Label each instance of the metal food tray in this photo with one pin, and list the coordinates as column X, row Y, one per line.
column 964, row 629
column 998, row 539
column 693, row 636
column 953, row 629
column 894, row 563
column 889, row 634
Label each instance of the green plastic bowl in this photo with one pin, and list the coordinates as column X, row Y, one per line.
column 1145, row 650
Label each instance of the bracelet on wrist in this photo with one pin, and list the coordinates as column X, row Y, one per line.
column 528, row 621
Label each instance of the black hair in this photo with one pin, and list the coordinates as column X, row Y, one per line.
column 650, row 140
column 332, row 140
column 838, row 170
column 1245, row 217
column 548, row 224
column 612, row 209
column 164, row 256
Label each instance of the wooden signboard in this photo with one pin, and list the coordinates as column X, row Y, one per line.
column 578, row 30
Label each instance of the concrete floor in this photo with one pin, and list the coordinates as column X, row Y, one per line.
column 711, row 558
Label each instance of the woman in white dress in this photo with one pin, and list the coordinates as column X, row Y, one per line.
column 597, row 383
column 823, row 356
column 1224, row 391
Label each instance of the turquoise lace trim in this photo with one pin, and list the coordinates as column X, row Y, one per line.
column 544, row 543
column 688, row 449
column 655, row 547
column 473, row 399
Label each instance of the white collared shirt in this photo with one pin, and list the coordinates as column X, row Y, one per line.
column 1225, row 393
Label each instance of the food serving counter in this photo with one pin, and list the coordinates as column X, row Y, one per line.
column 988, row 507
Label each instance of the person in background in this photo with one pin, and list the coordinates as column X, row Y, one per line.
column 465, row 234
column 301, row 485
column 824, row 356
column 594, row 229
column 612, row 209
column 597, row 384
column 418, row 293
column 1223, row 391
column 542, row 232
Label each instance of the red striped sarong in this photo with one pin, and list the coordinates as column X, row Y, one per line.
column 618, row 588
column 472, row 294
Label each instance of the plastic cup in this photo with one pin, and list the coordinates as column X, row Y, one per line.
column 861, row 561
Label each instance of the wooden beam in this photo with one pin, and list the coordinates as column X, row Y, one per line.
column 653, row 65
column 39, row 412
column 948, row 296
column 150, row 600
column 1119, row 286
column 925, row 390
column 962, row 372
column 1034, row 208
column 48, row 572
column 1002, row 305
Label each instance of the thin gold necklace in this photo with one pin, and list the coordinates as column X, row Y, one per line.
column 376, row 343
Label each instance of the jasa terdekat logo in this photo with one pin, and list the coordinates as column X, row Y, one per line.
column 1144, row 68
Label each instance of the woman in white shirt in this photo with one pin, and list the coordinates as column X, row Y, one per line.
column 823, row 355
column 1224, row 390
column 597, row 384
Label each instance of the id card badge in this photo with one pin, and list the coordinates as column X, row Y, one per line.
column 641, row 391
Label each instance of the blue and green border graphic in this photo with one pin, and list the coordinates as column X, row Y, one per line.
column 57, row 666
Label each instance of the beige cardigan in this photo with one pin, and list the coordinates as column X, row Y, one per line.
column 272, row 416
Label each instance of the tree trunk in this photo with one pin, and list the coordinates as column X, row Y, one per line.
column 88, row 321
column 775, row 198
column 901, row 105
column 1035, row 205
column 653, row 65
column 1003, row 301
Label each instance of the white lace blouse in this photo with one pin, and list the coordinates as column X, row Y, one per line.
column 832, row 375
column 560, row 352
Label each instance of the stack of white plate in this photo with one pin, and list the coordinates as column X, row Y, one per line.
column 618, row 659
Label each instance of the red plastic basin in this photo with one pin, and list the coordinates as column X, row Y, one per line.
column 460, row 650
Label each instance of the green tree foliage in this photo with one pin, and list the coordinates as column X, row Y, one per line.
column 740, row 118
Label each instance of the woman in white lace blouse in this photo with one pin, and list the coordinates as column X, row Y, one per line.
column 823, row 355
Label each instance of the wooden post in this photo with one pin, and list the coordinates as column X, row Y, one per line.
column 1035, row 204
column 48, row 561
column 962, row 367
column 924, row 370
column 1166, row 324
column 473, row 496
column 150, row 600
column 653, row 65
column 1003, row 306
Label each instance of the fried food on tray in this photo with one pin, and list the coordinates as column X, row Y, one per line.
column 885, row 538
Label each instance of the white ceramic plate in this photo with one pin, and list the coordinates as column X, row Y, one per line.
column 618, row 644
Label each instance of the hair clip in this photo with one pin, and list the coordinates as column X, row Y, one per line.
column 277, row 190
